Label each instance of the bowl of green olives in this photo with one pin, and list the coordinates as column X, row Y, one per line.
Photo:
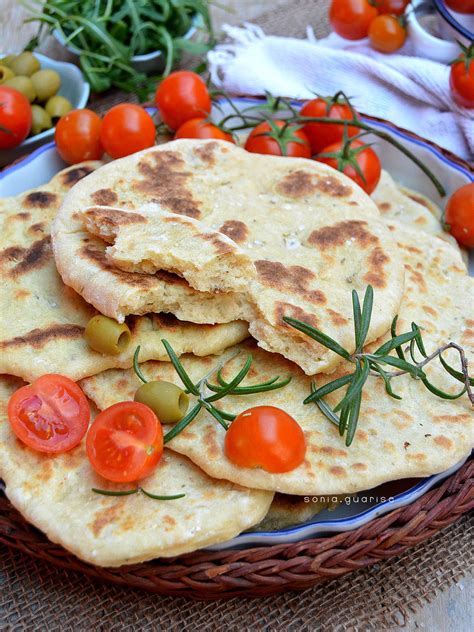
column 52, row 87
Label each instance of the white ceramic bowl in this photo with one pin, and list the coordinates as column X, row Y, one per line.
column 453, row 25
column 426, row 44
column 153, row 62
column 73, row 87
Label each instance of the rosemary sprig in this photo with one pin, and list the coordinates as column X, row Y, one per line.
column 372, row 364
column 201, row 389
column 135, row 490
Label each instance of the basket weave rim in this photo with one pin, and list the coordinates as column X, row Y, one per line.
column 265, row 570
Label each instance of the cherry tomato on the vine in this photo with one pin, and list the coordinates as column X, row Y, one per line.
column 292, row 141
column 461, row 78
column 77, row 136
column 394, row 7
column 366, row 158
column 182, row 96
column 125, row 442
column 266, row 437
column 49, row 415
column 351, row 18
column 127, row 128
column 386, row 33
column 322, row 134
column 201, row 128
column 459, row 215
column 15, row 117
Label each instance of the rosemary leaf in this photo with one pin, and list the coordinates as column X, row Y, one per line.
column 419, row 340
column 366, row 315
column 185, row 379
column 233, row 383
column 317, row 335
column 110, row 492
column 328, row 388
column 439, row 392
column 136, row 368
column 327, row 411
column 260, row 388
column 357, row 318
column 393, row 331
column 181, row 425
column 160, row 497
column 396, row 342
column 215, row 413
column 353, row 419
column 360, row 377
column 344, row 418
column 456, row 374
column 415, row 371
column 386, row 379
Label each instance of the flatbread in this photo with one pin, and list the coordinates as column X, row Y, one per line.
column 55, row 494
column 42, row 320
column 417, row 436
column 310, row 232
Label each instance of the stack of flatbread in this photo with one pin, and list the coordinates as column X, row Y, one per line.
column 208, row 246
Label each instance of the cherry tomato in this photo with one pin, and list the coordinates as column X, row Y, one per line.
column 321, row 135
column 15, row 117
column 50, row 415
column 125, row 442
column 461, row 6
column 394, row 7
column 200, row 128
column 266, row 437
column 182, row 96
column 386, row 34
column 367, row 160
column 127, row 128
column 293, row 140
column 459, row 215
column 351, row 18
column 77, row 136
column 461, row 78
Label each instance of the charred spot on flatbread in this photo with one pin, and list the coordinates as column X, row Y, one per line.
column 114, row 217
column 297, row 184
column 41, row 199
column 289, row 278
column 376, row 274
column 207, row 152
column 293, row 311
column 104, row 197
column 70, row 177
column 336, row 235
column 220, row 245
column 235, row 230
column 38, row 338
column 164, row 181
column 332, row 186
column 27, row 259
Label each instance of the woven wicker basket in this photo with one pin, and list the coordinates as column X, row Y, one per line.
column 265, row 570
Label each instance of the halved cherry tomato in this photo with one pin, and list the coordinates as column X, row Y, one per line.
column 201, row 128
column 292, row 141
column 125, row 442
column 367, row 160
column 127, row 128
column 15, row 117
column 386, row 34
column 266, row 437
column 351, row 18
column 321, row 135
column 182, row 96
column 461, row 78
column 394, row 7
column 461, row 6
column 77, row 136
column 50, row 415
column 459, row 215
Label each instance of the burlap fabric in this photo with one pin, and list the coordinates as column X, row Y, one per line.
column 37, row 596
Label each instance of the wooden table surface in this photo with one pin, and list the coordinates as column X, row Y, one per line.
column 451, row 610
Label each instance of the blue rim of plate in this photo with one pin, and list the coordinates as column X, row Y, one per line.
column 318, row 528
column 451, row 20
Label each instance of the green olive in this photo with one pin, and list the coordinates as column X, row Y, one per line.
column 168, row 401
column 25, row 64
column 57, row 106
column 5, row 74
column 6, row 61
column 40, row 120
column 23, row 85
column 46, row 82
column 106, row 335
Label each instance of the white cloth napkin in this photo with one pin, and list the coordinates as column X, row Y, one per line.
column 409, row 91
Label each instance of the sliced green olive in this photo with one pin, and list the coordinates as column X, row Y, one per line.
column 23, row 85
column 106, row 335
column 40, row 120
column 46, row 82
column 168, row 401
column 25, row 64
column 5, row 74
column 57, row 106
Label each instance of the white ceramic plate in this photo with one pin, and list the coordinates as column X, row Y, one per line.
column 73, row 87
column 43, row 163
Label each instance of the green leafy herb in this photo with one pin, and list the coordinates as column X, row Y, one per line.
column 207, row 393
column 371, row 364
column 136, row 490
